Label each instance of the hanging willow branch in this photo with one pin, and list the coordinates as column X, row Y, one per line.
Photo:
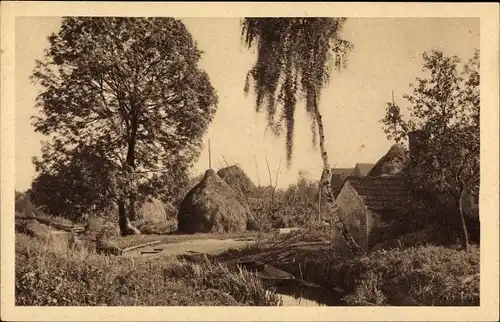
column 295, row 56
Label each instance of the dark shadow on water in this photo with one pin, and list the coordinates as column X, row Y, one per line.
column 283, row 282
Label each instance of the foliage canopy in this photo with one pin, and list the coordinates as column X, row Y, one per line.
column 294, row 56
column 126, row 98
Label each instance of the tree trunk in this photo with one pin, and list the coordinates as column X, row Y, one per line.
column 126, row 215
column 327, row 189
column 132, row 214
column 319, row 205
column 461, row 200
column 123, row 220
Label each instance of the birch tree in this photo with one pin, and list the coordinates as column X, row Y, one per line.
column 295, row 59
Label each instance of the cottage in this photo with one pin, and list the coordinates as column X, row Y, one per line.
column 362, row 169
column 376, row 195
column 338, row 177
column 368, row 204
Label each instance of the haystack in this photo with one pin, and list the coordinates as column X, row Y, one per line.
column 212, row 206
column 393, row 163
column 153, row 210
column 170, row 210
column 237, row 179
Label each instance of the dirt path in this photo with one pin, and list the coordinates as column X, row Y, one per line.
column 208, row 246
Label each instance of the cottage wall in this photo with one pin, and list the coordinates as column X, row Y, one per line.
column 353, row 212
column 372, row 220
column 378, row 227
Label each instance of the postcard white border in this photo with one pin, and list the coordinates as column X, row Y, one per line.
column 489, row 39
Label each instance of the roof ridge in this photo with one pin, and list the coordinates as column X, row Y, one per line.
column 366, row 178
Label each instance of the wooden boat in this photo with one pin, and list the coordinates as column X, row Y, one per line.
column 266, row 272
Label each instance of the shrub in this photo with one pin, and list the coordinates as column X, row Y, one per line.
column 439, row 210
column 100, row 227
column 23, row 204
column 295, row 206
column 430, row 276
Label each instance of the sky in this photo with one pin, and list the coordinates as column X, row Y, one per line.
column 387, row 57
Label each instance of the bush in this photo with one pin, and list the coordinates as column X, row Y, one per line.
column 439, row 210
column 50, row 277
column 296, row 206
column 429, row 276
column 23, row 204
column 101, row 228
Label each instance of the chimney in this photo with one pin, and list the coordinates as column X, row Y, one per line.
column 416, row 146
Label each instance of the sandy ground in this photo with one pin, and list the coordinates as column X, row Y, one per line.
column 208, row 246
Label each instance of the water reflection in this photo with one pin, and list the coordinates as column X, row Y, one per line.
column 289, row 300
column 308, row 296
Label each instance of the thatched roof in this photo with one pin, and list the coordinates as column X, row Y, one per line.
column 236, row 178
column 362, row 169
column 393, row 163
column 212, row 206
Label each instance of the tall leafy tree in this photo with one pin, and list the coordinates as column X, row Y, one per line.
column 295, row 58
column 128, row 91
column 444, row 110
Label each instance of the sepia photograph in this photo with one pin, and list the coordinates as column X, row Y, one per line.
column 248, row 161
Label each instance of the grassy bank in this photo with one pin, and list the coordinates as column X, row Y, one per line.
column 421, row 275
column 424, row 275
column 56, row 276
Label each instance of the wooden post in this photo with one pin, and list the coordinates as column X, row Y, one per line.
column 225, row 161
column 221, row 165
column 270, row 182
column 277, row 175
column 257, row 168
column 269, row 171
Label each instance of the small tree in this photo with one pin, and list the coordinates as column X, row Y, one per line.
column 127, row 91
column 444, row 109
column 23, row 204
column 68, row 188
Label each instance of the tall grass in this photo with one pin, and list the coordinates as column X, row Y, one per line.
column 48, row 275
